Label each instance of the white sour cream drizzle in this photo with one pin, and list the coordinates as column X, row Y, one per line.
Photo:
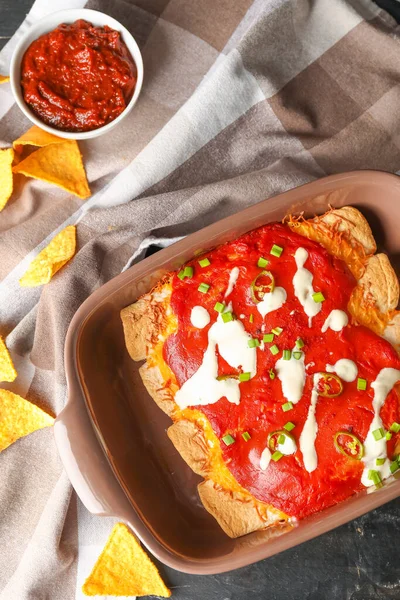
column 234, row 274
column 303, row 289
column 265, row 458
column 336, row 320
column 292, row 375
column 373, row 448
column 272, row 301
column 345, row 368
column 232, row 341
column 309, row 433
column 199, row 317
column 288, row 447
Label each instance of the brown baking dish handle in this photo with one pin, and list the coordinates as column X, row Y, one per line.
column 85, row 462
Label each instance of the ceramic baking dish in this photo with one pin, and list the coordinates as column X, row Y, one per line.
column 111, row 435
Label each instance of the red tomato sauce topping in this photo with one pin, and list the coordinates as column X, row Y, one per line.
column 285, row 483
column 78, row 77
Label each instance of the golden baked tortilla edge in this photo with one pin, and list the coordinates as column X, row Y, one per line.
column 236, row 513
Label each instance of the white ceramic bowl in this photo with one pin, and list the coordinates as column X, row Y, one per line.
column 48, row 24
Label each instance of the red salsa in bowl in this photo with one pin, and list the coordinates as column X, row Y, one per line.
column 78, row 77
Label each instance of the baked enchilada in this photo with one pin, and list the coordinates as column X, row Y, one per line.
column 275, row 355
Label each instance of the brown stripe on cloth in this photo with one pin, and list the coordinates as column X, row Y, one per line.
column 336, row 89
column 365, row 76
column 308, row 106
column 175, row 62
column 154, row 6
column 254, row 141
column 213, row 21
column 138, row 22
column 363, row 144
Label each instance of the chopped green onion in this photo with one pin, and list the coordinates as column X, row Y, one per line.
column 188, row 272
column 374, row 476
column 228, row 440
column 395, row 427
column 203, row 288
column 251, row 318
column 287, row 354
column 271, row 374
column 297, row 355
column 318, row 297
column 246, row 436
column 276, row 456
column 378, row 434
column 281, row 439
column 262, row 262
column 244, row 376
column 227, row 316
column 380, row 461
column 299, row 343
column 277, row 330
column 289, row 426
column 276, row 250
column 204, row 262
column 361, row 384
column 219, row 307
column 253, row 343
column 274, row 349
column 181, row 274
column 394, row 466
column 268, row 338
column 388, row 435
column 287, row 406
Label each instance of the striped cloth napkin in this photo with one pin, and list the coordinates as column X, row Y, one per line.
column 241, row 100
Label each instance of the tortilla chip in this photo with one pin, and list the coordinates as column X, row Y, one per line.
column 124, row 569
column 7, row 369
column 4, row 78
column 6, row 176
column 19, row 418
column 60, row 164
column 36, row 137
column 50, row 260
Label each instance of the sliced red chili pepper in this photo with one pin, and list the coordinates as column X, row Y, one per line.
column 348, row 444
column 263, row 284
column 329, row 385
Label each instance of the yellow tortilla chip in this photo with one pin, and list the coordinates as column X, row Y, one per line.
column 36, row 137
column 4, row 78
column 6, row 176
column 50, row 260
column 7, row 369
column 124, row 569
column 19, row 418
column 60, row 164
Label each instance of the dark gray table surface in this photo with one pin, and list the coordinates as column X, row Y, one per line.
column 358, row 561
